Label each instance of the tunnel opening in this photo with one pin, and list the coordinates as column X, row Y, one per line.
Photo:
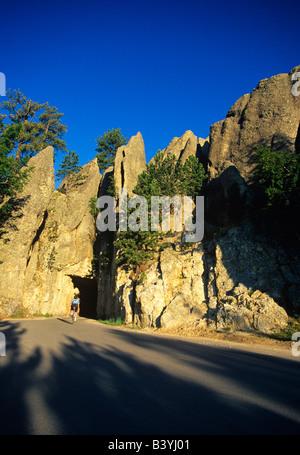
column 88, row 296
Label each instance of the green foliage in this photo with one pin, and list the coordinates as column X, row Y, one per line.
column 51, row 258
column 112, row 321
column 53, row 231
column 166, row 176
column 39, row 125
column 93, row 208
column 107, row 146
column 13, row 176
column 278, row 172
column 19, row 314
column 112, row 190
column 285, row 334
column 136, row 248
column 193, row 177
column 95, row 266
column 142, row 278
column 160, row 178
column 69, row 165
column 26, row 127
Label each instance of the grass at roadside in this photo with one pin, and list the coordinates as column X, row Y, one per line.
column 112, row 321
column 286, row 333
column 117, row 322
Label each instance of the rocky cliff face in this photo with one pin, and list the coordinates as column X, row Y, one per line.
column 238, row 281
column 240, row 276
column 186, row 145
column 20, row 237
column 269, row 116
column 51, row 247
column 62, row 257
column 130, row 161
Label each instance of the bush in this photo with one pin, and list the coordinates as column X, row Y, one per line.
column 166, row 176
column 278, row 172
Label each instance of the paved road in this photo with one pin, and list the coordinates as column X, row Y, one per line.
column 92, row 379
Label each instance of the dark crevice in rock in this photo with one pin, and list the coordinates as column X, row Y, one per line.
column 37, row 235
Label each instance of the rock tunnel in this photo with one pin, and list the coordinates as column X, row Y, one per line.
column 88, row 296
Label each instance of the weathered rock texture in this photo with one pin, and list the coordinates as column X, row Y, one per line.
column 240, row 276
column 169, row 290
column 53, row 241
column 64, row 250
column 235, row 281
column 186, row 145
column 17, row 243
column 249, row 277
column 182, row 146
column 269, row 116
column 130, row 161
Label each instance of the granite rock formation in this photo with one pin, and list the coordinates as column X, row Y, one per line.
column 187, row 144
column 51, row 247
column 239, row 277
column 130, row 161
column 268, row 116
column 62, row 256
column 21, row 234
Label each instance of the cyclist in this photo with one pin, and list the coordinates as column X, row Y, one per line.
column 75, row 305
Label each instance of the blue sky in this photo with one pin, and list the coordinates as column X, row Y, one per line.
column 158, row 67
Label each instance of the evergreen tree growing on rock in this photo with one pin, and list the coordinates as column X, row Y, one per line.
column 26, row 128
column 13, row 176
column 166, row 176
column 69, row 165
column 39, row 125
column 107, row 146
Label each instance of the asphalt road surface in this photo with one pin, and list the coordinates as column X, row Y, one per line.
column 91, row 379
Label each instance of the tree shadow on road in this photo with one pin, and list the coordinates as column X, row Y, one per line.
column 161, row 387
column 16, row 377
column 111, row 391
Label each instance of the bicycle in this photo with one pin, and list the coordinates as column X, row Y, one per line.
column 73, row 314
column 74, row 308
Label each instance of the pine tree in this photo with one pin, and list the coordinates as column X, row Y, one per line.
column 13, row 176
column 192, row 177
column 69, row 165
column 53, row 129
column 107, row 146
column 165, row 176
column 278, row 172
column 40, row 125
